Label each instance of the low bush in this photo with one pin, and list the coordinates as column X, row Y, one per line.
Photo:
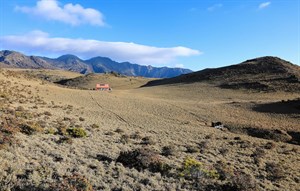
column 95, row 126
column 23, row 114
column 192, row 149
column 169, row 150
column 148, row 140
column 243, row 182
column 77, row 132
column 194, row 170
column 275, row 171
column 257, row 155
column 136, row 135
column 74, row 182
column 47, row 113
column 81, row 119
column 118, row 130
column 6, row 135
column 225, row 170
column 51, row 131
column 30, row 129
column 142, row 159
column 124, row 139
column 64, row 139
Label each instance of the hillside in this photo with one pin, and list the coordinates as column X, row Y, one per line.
column 154, row 138
column 260, row 74
column 12, row 59
column 119, row 82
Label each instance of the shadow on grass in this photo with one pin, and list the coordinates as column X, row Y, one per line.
column 291, row 137
column 283, row 107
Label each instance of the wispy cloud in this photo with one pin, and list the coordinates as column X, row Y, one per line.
column 39, row 42
column 264, row 5
column 214, row 7
column 179, row 66
column 69, row 13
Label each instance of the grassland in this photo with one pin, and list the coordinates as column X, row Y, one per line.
column 152, row 138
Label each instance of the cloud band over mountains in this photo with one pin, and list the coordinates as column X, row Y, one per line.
column 39, row 42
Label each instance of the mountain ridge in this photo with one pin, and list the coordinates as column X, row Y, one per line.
column 13, row 59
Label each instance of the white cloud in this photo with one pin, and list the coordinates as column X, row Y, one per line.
column 69, row 13
column 264, row 5
column 214, row 7
column 179, row 66
column 38, row 42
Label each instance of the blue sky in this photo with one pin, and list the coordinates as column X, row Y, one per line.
column 177, row 33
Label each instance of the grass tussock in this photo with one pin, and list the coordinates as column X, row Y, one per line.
column 77, row 132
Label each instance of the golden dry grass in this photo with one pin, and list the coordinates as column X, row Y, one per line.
column 115, row 81
column 164, row 116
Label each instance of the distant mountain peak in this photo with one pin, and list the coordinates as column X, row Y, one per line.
column 68, row 56
column 102, row 58
column 7, row 52
column 13, row 59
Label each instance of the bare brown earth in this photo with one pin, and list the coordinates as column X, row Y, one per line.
column 170, row 123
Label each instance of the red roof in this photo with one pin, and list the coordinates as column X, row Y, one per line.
column 105, row 86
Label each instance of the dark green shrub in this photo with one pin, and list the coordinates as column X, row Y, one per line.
column 118, row 130
column 169, row 150
column 192, row 149
column 77, row 132
column 142, row 159
column 30, row 129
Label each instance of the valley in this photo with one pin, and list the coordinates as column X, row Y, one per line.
column 78, row 134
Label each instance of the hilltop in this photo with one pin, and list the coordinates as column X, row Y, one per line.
column 12, row 59
column 259, row 74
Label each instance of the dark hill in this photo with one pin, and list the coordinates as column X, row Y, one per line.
column 260, row 74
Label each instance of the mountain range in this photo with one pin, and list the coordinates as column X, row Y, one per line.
column 13, row 59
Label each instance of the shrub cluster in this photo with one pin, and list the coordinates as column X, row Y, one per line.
column 194, row 170
column 77, row 132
